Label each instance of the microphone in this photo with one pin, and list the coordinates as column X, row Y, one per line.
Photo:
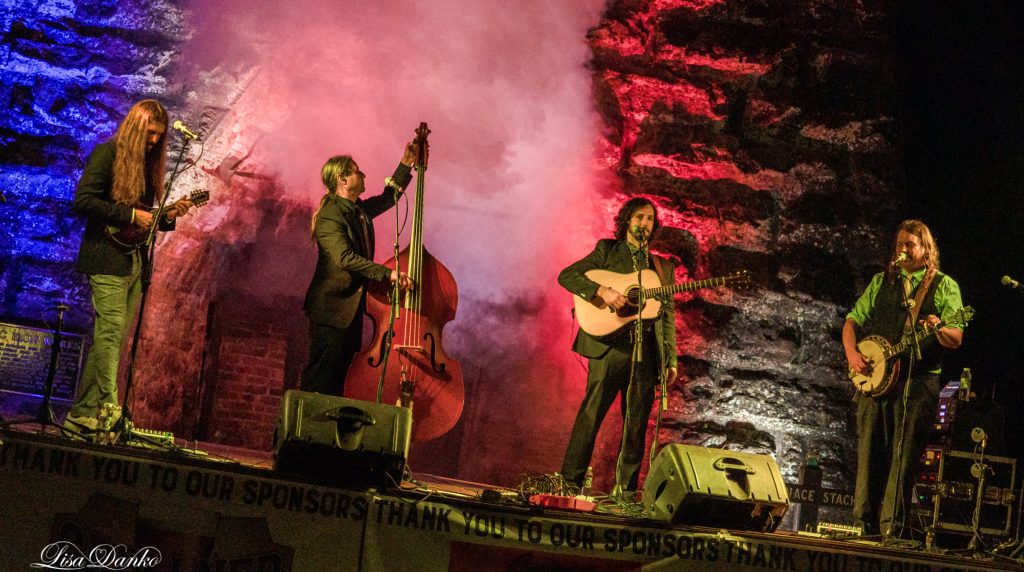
column 389, row 182
column 899, row 258
column 185, row 131
column 1007, row 281
column 639, row 232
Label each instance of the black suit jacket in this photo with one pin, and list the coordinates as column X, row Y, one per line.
column 343, row 265
column 615, row 255
column 98, row 254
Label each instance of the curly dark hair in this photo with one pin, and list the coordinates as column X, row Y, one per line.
column 626, row 212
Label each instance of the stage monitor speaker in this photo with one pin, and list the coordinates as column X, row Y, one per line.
column 342, row 441
column 688, row 484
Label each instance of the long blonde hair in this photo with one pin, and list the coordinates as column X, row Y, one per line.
column 133, row 167
column 336, row 166
column 931, row 249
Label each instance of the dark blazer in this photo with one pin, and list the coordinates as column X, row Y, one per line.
column 615, row 255
column 343, row 264
column 98, row 254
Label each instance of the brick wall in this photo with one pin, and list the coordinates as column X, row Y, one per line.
column 249, row 382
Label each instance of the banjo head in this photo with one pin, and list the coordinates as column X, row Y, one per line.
column 875, row 349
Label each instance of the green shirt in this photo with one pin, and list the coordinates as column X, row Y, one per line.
column 947, row 298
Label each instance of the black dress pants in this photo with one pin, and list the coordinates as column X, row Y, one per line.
column 892, row 431
column 608, row 377
column 330, row 353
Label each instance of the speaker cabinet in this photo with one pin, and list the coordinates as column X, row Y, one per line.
column 713, row 487
column 343, row 441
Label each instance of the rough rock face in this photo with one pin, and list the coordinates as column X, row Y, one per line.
column 764, row 132
column 71, row 71
column 69, row 74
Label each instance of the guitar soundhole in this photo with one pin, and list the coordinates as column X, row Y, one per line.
column 633, row 297
column 632, row 300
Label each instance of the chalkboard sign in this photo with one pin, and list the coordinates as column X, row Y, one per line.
column 25, row 361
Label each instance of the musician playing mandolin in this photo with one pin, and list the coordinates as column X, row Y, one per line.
column 121, row 179
column 342, row 228
column 610, row 358
column 893, row 428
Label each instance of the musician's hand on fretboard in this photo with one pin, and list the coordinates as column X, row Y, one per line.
column 179, row 208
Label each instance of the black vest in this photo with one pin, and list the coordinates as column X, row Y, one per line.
column 888, row 318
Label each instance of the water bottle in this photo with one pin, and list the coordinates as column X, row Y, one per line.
column 588, row 481
column 965, row 384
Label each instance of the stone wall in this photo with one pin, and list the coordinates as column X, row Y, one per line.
column 764, row 131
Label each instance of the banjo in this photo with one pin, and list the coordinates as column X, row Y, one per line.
column 880, row 356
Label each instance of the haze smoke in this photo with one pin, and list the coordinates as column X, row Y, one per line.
column 503, row 88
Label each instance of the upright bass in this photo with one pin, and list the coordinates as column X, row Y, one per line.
column 417, row 373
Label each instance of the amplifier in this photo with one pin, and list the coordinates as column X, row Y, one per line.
column 688, row 484
column 340, row 440
column 956, row 493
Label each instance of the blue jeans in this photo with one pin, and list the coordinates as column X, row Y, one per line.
column 115, row 299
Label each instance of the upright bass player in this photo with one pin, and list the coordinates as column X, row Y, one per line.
column 342, row 229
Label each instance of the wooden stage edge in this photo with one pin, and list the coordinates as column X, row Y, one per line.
column 228, row 510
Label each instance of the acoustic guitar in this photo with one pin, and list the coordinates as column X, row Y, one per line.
column 130, row 236
column 600, row 320
column 881, row 355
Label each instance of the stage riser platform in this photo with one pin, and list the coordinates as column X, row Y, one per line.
column 178, row 514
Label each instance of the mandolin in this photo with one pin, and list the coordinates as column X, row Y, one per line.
column 130, row 236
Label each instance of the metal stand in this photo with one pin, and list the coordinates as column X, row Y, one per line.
column 122, row 427
column 978, row 471
column 44, row 417
column 389, row 335
column 899, row 503
column 638, row 351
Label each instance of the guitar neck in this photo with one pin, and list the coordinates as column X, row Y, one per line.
column 685, row 287
column 907, row 341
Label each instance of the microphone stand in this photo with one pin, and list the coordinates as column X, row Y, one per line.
column 662, row 399
column 389, row 335
column 638, row 352
column 44, row 417
column 978, row 471
column 638, row 339
column 908, row 305
column 122, row 428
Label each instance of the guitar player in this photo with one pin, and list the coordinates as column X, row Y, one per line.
column 610, row 358
column 120, row 173
column 893, row 429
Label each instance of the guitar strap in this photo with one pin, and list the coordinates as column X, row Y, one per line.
column 922, row 291
column 658, row 269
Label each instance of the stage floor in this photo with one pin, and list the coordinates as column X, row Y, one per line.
column 208, row 507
